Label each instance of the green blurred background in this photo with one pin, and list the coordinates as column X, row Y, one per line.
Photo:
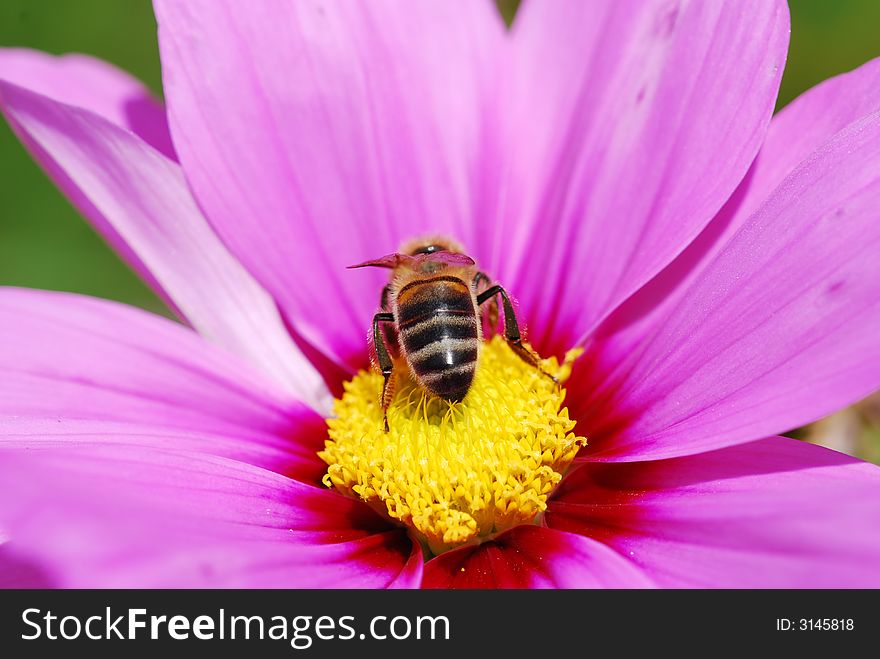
column 45, row 244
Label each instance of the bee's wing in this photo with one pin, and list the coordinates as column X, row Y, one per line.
column 397, row 260
column 387, row 261
column 449, row 258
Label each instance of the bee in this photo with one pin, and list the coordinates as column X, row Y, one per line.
column 431, row 318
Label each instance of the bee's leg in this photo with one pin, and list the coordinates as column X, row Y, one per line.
column 390, row 330
column 511, row 329
column 481, row 284
column 385, row 362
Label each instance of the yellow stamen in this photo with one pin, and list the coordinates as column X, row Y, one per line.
column 456, row 473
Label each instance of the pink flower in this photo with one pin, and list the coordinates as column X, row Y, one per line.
column 613, row 164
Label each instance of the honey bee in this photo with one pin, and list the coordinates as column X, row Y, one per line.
column 431, row 318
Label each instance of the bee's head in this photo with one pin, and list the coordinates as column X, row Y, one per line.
column 424, row 254
column 428, row 249
column 430, row 245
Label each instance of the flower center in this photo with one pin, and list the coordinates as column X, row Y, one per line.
column 456, row 473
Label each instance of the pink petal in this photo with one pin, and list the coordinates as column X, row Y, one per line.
column 139, row 199
column 794, row 134
column 18, row 572
column 94, row 85
column 533, row 557
column 123, row 516
column 776, row 513
column 101, row 88
column 317, row 135
column 73, row 366
column 293, row 455
column 807, row 123
column 628, row 125
column 779, row 329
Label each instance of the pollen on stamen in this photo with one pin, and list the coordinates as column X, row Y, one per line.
column 456, row 473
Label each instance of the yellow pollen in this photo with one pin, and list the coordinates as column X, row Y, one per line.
column 456, row 473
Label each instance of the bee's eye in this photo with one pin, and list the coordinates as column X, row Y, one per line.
column 428, row 249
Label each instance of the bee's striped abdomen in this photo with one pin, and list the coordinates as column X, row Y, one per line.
column 437, row 321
